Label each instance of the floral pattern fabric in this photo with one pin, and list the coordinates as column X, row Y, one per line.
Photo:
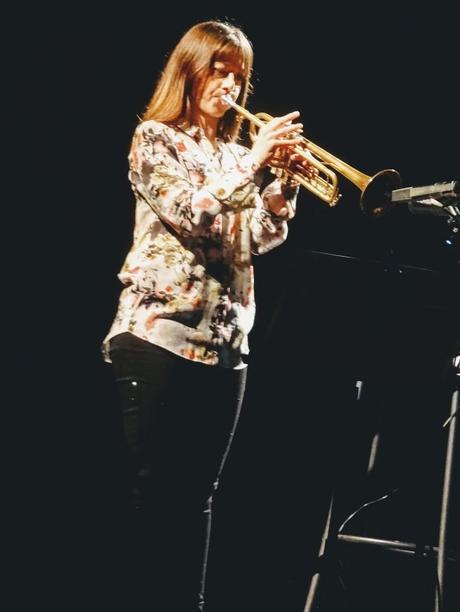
column 188, row 277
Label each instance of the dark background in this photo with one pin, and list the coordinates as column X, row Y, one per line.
column 346, row 299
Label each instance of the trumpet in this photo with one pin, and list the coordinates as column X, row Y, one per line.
column 375, row 190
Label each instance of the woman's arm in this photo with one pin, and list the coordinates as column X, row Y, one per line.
column 268, row 224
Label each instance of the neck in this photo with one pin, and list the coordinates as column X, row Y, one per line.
column 209, row 126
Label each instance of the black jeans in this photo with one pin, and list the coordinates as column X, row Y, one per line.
column 178, row 419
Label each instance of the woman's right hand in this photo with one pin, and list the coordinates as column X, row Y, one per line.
column 278, row 132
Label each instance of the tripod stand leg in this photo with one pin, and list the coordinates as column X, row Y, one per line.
column 313, row 590
column 330, row 531
column 443, row 526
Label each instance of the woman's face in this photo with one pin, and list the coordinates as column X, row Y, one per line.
column 224, row 77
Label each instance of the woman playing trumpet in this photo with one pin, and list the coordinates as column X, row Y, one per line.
column 179, row 337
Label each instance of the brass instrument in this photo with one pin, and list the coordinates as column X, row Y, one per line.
column 375, row 190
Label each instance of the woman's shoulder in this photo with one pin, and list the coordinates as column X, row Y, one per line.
column 152, row 126
column 153, row 136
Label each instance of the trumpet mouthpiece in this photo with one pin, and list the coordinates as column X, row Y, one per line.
column 228, row 99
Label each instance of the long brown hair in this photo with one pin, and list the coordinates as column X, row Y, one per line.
column 192, row 59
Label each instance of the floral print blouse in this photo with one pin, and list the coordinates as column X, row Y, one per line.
column 188, row 277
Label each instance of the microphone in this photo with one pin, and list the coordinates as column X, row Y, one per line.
column 438, row 199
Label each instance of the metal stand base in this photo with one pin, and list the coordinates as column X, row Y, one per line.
column 332, row 536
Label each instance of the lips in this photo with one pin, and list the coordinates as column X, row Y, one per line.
column 221, row 102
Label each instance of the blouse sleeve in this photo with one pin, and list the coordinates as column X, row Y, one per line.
column 267, row 229
column 158, row 176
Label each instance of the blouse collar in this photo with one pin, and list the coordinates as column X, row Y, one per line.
column 197, row 133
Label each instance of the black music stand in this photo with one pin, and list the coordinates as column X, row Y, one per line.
column 441, row 199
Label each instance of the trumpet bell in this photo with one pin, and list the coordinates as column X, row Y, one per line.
column 376, row 197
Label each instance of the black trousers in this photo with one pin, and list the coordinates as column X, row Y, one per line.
column 179, row 418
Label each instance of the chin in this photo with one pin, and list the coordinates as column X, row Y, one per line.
column 217, row 111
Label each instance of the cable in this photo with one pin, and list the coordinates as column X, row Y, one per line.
column 374, row 501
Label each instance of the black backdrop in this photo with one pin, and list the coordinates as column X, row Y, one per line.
column 345, row 299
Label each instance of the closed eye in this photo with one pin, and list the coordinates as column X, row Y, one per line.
column 222, row 73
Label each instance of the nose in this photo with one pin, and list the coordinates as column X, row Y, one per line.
column 229, row 82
